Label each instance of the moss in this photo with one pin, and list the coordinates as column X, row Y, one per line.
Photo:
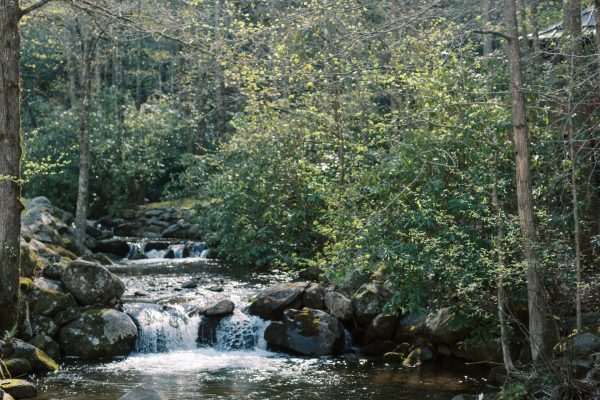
column 26, row 284
column 309, row 323
column 45, row 359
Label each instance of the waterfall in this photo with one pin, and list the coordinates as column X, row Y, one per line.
column 163, row 328
column 241, row 332
column 141, row 248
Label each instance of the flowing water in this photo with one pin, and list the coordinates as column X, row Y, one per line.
column 233, row 361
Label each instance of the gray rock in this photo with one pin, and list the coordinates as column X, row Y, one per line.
column 143, row 393
column 382, row 327
column 273, row 301
column 191, row 284
column 339, row 306
column 49, row 302
column 92, row 283
column 379, row 348
column 17, row 367
column 48, row 345
column 40, row 361
column 307, row 331
column 442, row 327
column 221, row 308
column 314, row 297
column 368, row 302
column 394, row 358
column 117, row 247
column 99, row 333
column 41, row 325
column 489, row 351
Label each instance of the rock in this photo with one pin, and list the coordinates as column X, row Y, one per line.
column 92, row 283
column 207, row 330
column 68, row 315
column 99, row 333
column 141, row 293
column 580, row 345
column 274, row 300
column 379, row 348
column 589, row 319
column 368, row 302
column 41, row 325
column 216, row 288
column 50, row 302
column 314, row 297
column 47, row 344
column 311, row 273
column 17, row 366
column 417, row 356
column 339, row 306
column 30, row 260
column 92, row 231
column 191, row 284
column 307, row 331
column 143, row 393
column 39, row 360
column 223, row 307
column 117, row 247
column 50, row 284
column 442, row 327
column 170, row 231
column 593, row 375
column 394, row 358
column 54, row 271
column 382, row 327
column 19, row 389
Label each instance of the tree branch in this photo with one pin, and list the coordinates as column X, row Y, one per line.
column 34, row 7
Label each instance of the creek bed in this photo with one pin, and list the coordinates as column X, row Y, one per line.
column 238, row 365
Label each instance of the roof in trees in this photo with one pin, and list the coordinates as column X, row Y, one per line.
column 588, row 26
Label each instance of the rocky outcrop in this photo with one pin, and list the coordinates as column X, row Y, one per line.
column 369, row 301
column 36, row 358
column 339, row 305
column 155, row 222
column 92, row 283
column 273, row 301
column 308, row 332
column 99, row 333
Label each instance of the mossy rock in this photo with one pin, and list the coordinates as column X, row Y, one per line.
column 40, row 361
column 26, row 284
column 50, row 302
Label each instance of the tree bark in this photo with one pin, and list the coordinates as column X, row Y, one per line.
column 535, row 26
column 84, row 146
column 572, row 28
column 10, row 157
column 597, row 9
column 539, row 324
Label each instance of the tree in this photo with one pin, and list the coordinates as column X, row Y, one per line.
column 539, row 336
column 10, row 158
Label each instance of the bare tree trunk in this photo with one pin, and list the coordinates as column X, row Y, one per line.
column 522, row 13
column 572, row 28
column 10, row 157
column 84, row 146
column 597, row 9
column 539, row 325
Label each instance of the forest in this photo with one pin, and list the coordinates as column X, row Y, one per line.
column 420, row 178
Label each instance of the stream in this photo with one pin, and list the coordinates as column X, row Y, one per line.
column 233, row 362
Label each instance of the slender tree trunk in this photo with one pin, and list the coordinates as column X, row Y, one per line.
column 219, row 78
column 10, row 156
column 597, row 9
column 574, row 51
column 539, row 325
column 502, row 300
column 84, row 147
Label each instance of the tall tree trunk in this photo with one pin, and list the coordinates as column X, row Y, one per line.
column 572, row 28
column 10, row 156
column 219, row 78
column 539, row 324
column 84, row 146
column 597, row 9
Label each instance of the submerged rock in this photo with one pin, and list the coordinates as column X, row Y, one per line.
column 99, row 333
column 92, row 283
column 274, row 300
column 143, row 393
column 307, row 331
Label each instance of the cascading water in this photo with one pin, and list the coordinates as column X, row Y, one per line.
column 141, row 248
column 241, row 332
column 163, row 328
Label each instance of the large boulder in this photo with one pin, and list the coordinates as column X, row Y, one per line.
column 382, row 327
column 274, row 300
column 314, row 297
column 99, row 333
column 489, row 351
column 143, row 393
column 368, row 302
column 308, row 332
column 339, row 306
column 439, row 327
column 92, row 283
column 49, row 302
